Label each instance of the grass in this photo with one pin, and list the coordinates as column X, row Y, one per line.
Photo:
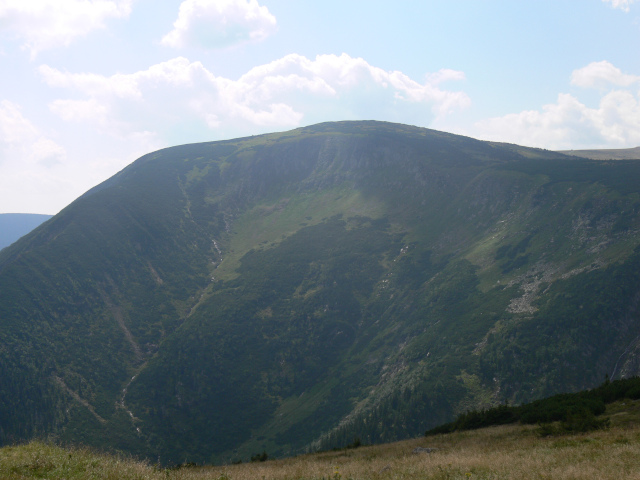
column 266, row 225
column 505, row 452
column 47, row 461
column 493, row 453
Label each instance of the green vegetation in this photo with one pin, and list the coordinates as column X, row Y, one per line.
column 291, row 292
column 575, row 411
column 47, row 461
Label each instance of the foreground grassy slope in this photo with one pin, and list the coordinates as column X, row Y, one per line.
column 507, row 452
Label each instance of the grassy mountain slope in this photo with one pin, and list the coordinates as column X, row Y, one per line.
column 295, row 290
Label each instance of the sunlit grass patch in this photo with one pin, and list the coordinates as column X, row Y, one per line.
column 47, row 461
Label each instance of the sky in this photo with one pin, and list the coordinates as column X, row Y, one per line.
column 88, row 86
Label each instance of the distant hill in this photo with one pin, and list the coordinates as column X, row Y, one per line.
column 295, row 290
column 606, row 154
column 15, row 225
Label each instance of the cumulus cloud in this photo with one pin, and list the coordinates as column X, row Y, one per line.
column 22, row 142
column 27, row 160
column 282, row 93
column 621, row 4
column 122, row 86
column 38, row 175
column 602, row 74
column 219, row 23
column 569, row 123
column 444, row 75
column 45, row 24
column 80, row 110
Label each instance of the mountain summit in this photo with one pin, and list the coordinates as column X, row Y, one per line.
column 295, row 290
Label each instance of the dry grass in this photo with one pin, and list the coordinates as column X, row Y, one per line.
column 512, row 452
column 46, row 461
column 509, row 452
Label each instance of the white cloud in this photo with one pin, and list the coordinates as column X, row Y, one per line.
column 38, row 175
column 80, row 110
column 14, row 128
column 621, row 4
column 445, row 75
column 279, row 94
column 45, row 24
column 602, row 74
column 569, row 123
column 122, row 86
column 219, row 23
column 28, row 160
column 22, row 142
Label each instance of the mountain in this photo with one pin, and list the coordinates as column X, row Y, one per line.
column 292, row 291
column 15, row 225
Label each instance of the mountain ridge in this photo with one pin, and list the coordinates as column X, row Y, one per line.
column 606, row 153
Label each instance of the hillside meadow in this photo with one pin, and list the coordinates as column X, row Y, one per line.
column 504, row 452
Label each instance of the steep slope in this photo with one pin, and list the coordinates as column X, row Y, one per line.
column 295, row 290
column 15, row 225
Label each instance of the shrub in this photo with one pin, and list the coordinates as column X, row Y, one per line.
column 260, row 457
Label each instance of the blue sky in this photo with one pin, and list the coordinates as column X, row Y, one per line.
column 88, row 86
